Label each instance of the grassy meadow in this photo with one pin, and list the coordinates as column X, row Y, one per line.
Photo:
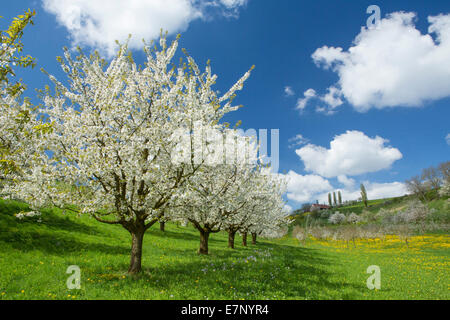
column 35, row 253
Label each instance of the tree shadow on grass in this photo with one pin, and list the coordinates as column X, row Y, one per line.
column 183, row 234
column 56, row 243
column 289, row 273
column 54, row 234
column 49, row 219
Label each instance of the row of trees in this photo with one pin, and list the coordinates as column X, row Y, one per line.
column 336, row 201
column 414, row 212
column 135, row 145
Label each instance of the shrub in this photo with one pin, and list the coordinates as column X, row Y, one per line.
column 415, row 212
column 300, row 233
column 385, row 216
column 337, row 218
column 353, row 218
column 445, row 189
column 368, row 216
column 325, row 214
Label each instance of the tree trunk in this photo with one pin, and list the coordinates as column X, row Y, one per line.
column 253, row 237
column 204, row 237
column 231, row 236
column 136, row 252
column 162, row 225
column 244, row 239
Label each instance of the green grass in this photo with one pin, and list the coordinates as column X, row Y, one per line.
column 34, row 257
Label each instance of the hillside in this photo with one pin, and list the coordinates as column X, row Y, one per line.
column 34, row 257
column 439, row 206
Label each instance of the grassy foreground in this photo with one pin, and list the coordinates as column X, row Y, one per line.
column 34, row 257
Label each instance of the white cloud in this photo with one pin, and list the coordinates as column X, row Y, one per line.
column 447, row 138
column 100, row 23
column 288, row 208
column 326, row 56
column 288, row 91
column 351, row 153
column 233, row 3
column 374, row 191
column 391, row 65
column 333, row 97
column 308, row 95
column 309, row 188
column 347, row 182
column 303, row 188
column 325, row 110
column 385, row 190
column 298, row 140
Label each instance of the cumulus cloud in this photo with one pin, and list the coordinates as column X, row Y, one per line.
column 333, row 97
column 288, row 208
column 352, row 153
column 100, row 23
column 374, row 191
column 308, row 95
column 302, row 188
column 447, row 138
column 309, row 188
column 391, row 65
column 385, row 190
column 288, row 91
column 346, row 181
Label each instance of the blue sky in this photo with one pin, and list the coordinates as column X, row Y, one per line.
column 279, row 38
